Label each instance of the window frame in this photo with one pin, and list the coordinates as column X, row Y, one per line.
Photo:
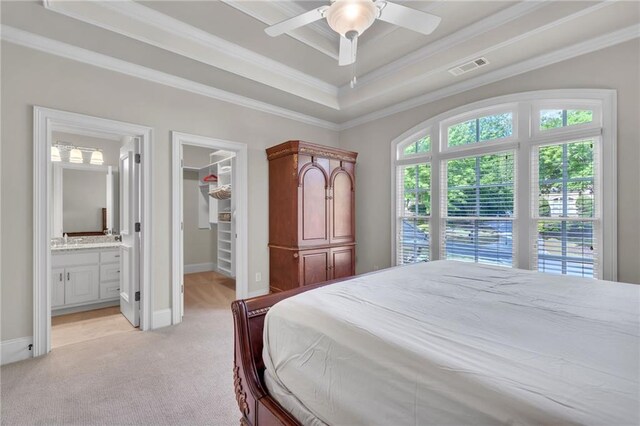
column 597, row 217
column 526, row 134
column 477, row 114
column 569, row 104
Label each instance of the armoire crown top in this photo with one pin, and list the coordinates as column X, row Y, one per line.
column 308, row 148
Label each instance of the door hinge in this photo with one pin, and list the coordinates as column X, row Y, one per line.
column 138, row 159
column 182, row 226
column 138, row 226
column 183, row 288
column 137, row 297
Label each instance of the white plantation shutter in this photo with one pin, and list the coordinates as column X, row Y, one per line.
column 413, row 213
column 566, row 226
column 478, row 203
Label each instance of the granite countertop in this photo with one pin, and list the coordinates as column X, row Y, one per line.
column 85, row 243
column 87, row 246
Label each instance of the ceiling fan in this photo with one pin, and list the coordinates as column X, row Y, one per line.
column 350, row 18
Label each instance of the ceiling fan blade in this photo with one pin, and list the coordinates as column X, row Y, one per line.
column 416, row 20
column 296, row 22
column 348, row 50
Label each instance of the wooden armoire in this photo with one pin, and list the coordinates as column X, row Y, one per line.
column 311, row 214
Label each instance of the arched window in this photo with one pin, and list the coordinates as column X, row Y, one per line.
column 526, row 180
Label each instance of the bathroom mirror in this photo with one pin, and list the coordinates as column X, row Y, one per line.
column 85, row 198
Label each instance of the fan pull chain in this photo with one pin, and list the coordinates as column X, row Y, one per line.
column 354, row 79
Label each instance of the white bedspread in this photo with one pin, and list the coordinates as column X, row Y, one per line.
column 457, row 343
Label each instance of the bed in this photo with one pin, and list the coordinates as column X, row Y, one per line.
column 441, row 343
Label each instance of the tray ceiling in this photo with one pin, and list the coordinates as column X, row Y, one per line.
column 222, row 44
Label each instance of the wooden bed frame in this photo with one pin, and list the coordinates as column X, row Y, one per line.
column 258, row 408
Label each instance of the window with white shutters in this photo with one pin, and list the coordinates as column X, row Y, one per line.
column 566, row 219
column 525, row 180
column 478, row 208
column 413, row 204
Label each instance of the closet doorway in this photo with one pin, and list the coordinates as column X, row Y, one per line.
column 209, row 221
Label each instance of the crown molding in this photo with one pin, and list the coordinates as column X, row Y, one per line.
column 578, row 49
column 53, row 47
column 474, row 30
column 142, row 23
column 426, row 76
column 64, row 50
column 313, row 35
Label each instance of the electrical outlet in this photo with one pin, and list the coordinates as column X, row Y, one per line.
column 258, row 277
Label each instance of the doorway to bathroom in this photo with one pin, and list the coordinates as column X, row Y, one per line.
column 92, row 187
column 209, row 222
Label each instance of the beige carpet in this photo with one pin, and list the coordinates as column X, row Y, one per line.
column 179, row 375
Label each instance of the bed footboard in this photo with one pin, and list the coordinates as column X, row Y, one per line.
column 256, row 406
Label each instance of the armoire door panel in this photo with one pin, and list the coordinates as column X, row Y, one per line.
column 314, row 220
column 343, row 262
column 314, row 267
column 342, row 208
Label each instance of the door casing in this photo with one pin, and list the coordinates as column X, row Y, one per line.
column 45, row 122
column 240, row 191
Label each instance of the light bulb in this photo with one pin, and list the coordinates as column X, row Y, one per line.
column 55, row 154
column 351, row 15
column 75, row 156
column 351, row 11
column 96, row 158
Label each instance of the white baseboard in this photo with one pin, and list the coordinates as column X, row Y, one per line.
column 257, row 293
column 15, row 350
column 200, row 267
column 83, row 308
column 161, row 318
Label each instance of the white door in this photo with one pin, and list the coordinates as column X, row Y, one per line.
column 181, row 250
column 130, row 231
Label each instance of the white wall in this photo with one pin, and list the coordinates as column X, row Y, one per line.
column 195, row 156
column 32, row 78
column 614, row 68
column 200, row 245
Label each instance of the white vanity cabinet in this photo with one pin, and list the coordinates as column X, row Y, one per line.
column 82, row 284
column 84, row 277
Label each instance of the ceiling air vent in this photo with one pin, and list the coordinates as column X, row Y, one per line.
column 469, row 66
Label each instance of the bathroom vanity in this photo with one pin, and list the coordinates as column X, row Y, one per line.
column 84, row 276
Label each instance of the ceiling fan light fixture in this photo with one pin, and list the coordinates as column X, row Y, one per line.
column 351, row 15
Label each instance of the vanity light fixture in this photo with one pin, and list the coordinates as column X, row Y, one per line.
column 55, row 154
column 96, row 158
column 75, row 156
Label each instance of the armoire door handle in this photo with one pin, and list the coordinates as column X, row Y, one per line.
column 68, row 276
column 61, row 276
